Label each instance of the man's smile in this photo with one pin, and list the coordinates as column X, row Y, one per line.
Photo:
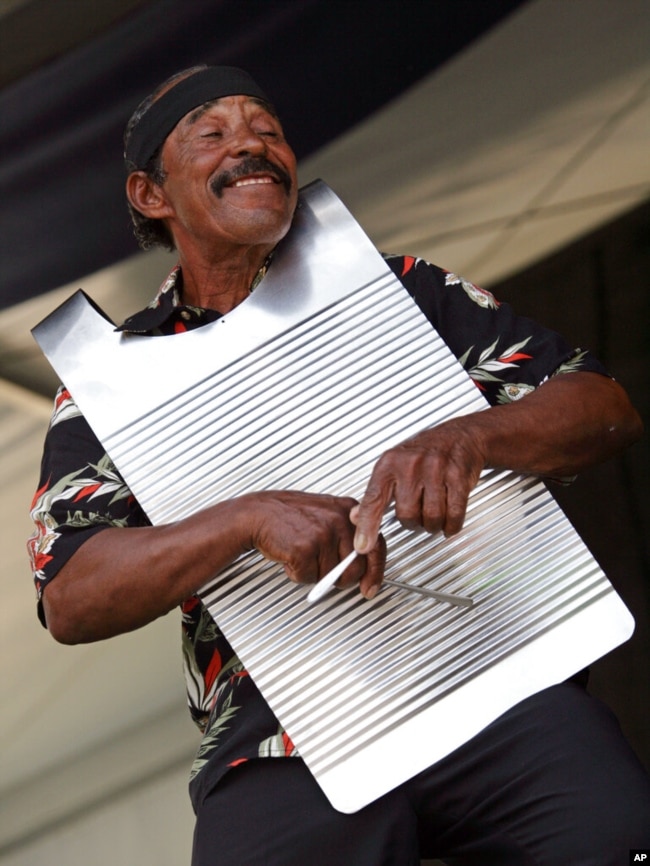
column 252, row 181
column 251, row 171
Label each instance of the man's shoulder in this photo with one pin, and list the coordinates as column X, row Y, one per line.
column 413, row 268
column 404, row 265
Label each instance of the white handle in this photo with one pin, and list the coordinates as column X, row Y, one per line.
column 324, row 585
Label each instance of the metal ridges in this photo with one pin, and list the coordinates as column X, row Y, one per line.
column 289, row 414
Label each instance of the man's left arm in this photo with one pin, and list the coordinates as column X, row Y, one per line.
column 572, row 421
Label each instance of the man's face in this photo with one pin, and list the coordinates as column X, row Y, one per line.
column 230, row 177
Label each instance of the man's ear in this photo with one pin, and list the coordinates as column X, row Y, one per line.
column 146, row 196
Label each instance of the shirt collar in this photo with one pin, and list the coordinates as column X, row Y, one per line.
column 167, row 308
column 164, row 307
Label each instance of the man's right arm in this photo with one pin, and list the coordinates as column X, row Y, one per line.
column 123, row 578
column 100, row 571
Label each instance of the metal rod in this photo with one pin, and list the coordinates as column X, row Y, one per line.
column 458, row 600
column 324, row 585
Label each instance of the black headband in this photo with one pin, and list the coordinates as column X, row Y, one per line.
column 163, row 114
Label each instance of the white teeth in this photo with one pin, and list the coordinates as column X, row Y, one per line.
column 249, row 181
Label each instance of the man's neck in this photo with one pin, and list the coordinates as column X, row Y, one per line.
column 221, row 285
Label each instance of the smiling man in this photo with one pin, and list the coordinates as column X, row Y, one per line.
column 551, row 782
column 230, row 185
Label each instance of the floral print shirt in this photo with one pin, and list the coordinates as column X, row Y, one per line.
column 80, row 491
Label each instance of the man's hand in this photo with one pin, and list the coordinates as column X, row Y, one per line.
column 429, row 477
column 309, row 534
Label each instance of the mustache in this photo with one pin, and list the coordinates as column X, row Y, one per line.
column 250, row 165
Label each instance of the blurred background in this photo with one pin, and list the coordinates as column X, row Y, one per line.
column 505, row 140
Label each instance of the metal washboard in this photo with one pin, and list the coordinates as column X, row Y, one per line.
column 303, row 386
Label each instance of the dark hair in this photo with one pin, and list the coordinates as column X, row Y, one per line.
column 152, row 232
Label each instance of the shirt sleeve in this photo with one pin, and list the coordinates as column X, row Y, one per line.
column 505, row 355
column 80, row 493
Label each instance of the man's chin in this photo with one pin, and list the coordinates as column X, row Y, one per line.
column 264, row 203
column 261, row 225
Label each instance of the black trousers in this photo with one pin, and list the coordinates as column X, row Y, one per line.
column 550, row 783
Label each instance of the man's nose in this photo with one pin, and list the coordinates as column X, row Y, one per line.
column 246, row 141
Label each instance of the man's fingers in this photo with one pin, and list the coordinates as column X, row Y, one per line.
column 367, row 571
column 455, row 511
column 412, row 500
column 368, row 514
column 375, row 566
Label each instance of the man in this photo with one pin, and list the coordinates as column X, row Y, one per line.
column 552, row 781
